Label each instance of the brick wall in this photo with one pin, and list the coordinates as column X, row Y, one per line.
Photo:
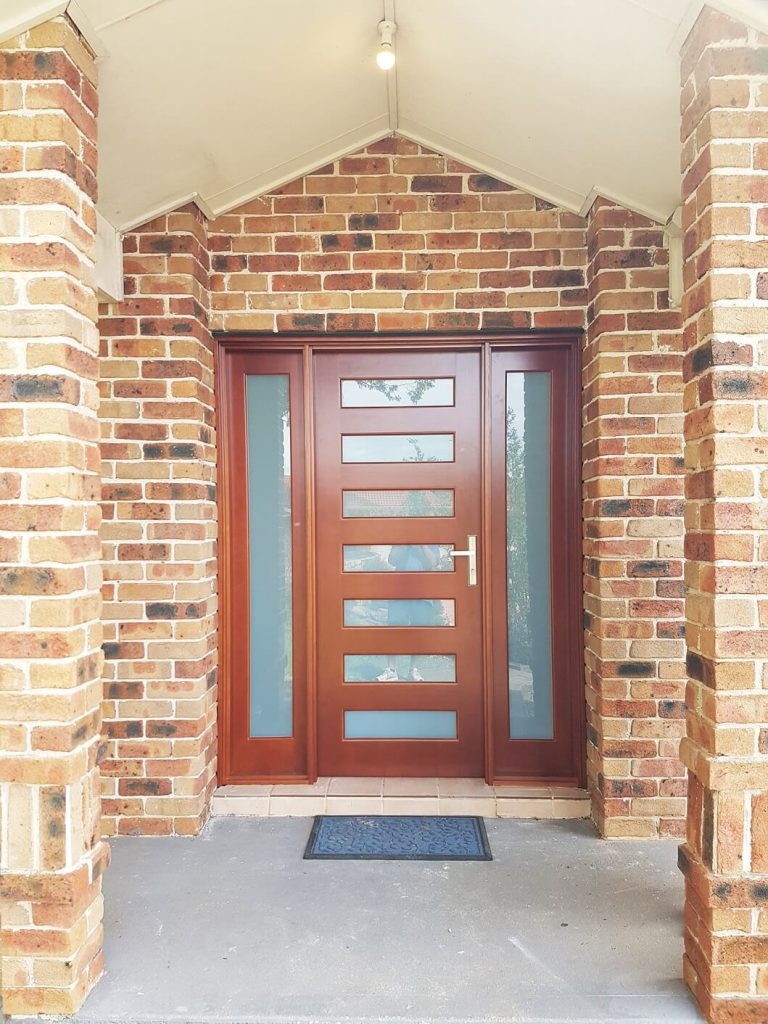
column 725, row 188
column 633, row 489
column 159, row 530
column 51, row 857
column 397, row 238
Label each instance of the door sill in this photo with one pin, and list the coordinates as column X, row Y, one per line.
column 400, row 796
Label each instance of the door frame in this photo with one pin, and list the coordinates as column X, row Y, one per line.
column 484, row 342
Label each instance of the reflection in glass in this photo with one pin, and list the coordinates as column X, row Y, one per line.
column 400, row 725
column 398, row 558
column 380, row 393
column 397, row 448
column 529, row 626
column 399, row 612
column 393, row 504
column 269, row 555
column 399, row 668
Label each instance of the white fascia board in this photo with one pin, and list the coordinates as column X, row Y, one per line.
column 275, row 177
column 167, row 206
column 549, row 191
column 109, row 261
column 34, row 14
column 87, row 30
column 37, row 14
column 597, row 192
column 673, row 233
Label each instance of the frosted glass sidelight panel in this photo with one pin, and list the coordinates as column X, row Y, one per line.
column 400, row 725
column 397, row 448
column 399, row 612
column 269, row 555
column 379, row 393
column 399, row 668
column 398, row 558
column 529, row 619
column 394, row 504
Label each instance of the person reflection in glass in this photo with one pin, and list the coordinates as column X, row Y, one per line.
column 412, row 612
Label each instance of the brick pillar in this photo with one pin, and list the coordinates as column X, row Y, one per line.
column 158, row 447
column 51, row 857
column 633, row 492
column 725, row 857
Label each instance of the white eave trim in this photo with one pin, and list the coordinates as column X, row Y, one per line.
column 628, row 204
column 38, row 14
column 307, row 162
column 43, row 11
column 551, row 192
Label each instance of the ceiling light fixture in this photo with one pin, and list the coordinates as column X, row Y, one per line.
column 385, row 57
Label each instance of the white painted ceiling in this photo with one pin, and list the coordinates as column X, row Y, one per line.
column 224, row 99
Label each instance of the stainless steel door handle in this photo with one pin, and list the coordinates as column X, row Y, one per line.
column 471, row 555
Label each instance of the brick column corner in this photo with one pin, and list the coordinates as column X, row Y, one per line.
column 725, row 189
column 51, row 856
column 159, row 533
column 633, row 504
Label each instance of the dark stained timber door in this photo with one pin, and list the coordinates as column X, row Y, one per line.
column 400, row 570
column 398, row 484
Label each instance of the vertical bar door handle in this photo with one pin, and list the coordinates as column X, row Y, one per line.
column 471, row 555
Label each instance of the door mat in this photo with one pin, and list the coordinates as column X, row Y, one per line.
column 397, row 837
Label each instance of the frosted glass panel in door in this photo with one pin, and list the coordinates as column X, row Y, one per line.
column 381, row 393
column 269, row 556
column 397, row 448
column 529, row 599
column 398, row 558
column 404, row 504
column 400, row 725
column 400, row 612
column 399, row 668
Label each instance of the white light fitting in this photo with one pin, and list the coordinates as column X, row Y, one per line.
column 385, row 57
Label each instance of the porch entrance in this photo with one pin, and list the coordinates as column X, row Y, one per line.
column 401, row 573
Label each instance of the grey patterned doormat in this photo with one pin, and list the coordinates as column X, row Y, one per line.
column 397, row 837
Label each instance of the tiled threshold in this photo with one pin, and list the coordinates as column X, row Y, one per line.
column 401, row 796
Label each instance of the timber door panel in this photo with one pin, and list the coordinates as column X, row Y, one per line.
column 398, row 489
column 353, row 474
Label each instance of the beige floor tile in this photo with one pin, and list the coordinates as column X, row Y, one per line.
column 355, row 787
column 411, row 805
column 410, row 787
column 482, row 805
column 296, row 806
column 301, row 789
column 253, row 806
column 527, row 808
column 570, row 809
column 523, row 792
column 464, row 787
column 244, row 790
column 353, row 805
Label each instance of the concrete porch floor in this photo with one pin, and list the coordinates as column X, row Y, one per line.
column 235, row 927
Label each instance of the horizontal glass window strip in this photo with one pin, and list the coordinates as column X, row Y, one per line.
column 269, row 556
column 397, row 447
column 398, row 558
column 400, row 612
column 397, row 504
column 378, row 392
column 400, row 725
column 399, row 668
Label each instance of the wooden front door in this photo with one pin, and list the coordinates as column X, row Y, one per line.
column 399, row 627
column 358, row 637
